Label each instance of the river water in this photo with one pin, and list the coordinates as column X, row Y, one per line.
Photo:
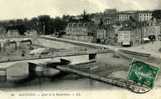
column 63, row 84
column 70, row 83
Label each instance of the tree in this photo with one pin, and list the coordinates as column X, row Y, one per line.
column 21, row 28
column 157, row 14
column 59, row 24
column 44, row 21
column 101, row 22
column 85, row 17
column 43, row 24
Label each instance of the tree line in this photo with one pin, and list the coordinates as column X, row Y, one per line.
column 43, row 24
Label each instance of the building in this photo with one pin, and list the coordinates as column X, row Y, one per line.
column 150, row 30
column 96, row 18
column 138, row 35
column 105, row 34
column 141, row 25
column 124, row 36
column 129, row 36
column 142, row 16
column 126, row 15
column 101, row 35
column 110, row 16
column 110, row 19
column 110, row 11
column 81, row 31
column 122, row 16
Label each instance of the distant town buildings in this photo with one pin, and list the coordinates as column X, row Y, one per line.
column 124, row 16
column 110, row 16
column 138, row 35
column 147, row 31
column 143, row 16
column 125, row 36
column 139, row 16
column 102, row 35
column 116, row 27
column 105, row 34
column 82, row 31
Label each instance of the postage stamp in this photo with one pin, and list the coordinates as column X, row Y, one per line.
column 143, row 73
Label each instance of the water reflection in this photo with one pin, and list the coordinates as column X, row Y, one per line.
column 69, row 82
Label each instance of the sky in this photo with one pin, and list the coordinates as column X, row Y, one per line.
column 14, row 9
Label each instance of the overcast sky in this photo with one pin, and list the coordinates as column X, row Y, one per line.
column 11, row 9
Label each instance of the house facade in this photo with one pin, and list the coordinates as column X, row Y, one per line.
column 142, row 16
column 81, row 31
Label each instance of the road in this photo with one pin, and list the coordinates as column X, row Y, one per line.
column 146, row 48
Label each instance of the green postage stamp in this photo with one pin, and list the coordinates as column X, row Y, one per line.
column 143, row 73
